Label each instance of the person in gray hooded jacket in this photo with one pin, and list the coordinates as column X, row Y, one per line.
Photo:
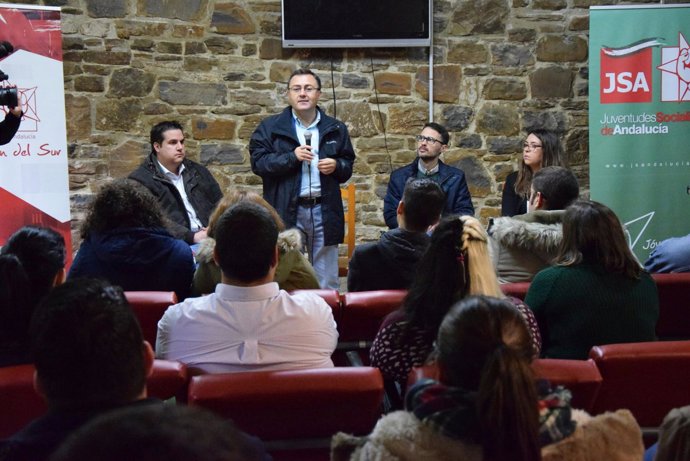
column 521, row 246
column 391, row 262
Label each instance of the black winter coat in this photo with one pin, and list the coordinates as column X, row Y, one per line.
column 272, row 147
column 202, row 190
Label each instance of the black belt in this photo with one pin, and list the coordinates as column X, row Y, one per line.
column 309, row 202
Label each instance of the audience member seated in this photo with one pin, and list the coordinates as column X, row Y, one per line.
column 390, row 263
column 671, row 255
column 674, row 438
column 160, row 433
column 293, row 272
column 32, row 262
column 523, row 245
column 248, row 323
column 597, row 293
column 486, row 406
column 125, row 241
column 542, row 148
column 455, row 265
column 89, row 356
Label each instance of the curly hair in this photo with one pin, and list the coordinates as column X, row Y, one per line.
column 120, row 204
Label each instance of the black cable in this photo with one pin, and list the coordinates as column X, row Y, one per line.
column 378, row 108
column 335, row 108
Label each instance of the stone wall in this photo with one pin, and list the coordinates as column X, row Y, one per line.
column 500, row 67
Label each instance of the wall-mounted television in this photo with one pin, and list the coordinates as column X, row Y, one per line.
column 356, row 23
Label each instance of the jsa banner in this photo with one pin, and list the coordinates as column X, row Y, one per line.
column 34, row 186
column 639, row 119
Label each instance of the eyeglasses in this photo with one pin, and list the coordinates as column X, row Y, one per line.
column 306, row 89
column 528, row 146
column 431, row 141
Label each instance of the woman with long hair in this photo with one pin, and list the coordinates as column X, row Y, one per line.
column 294, row 271
column 486, row 404
column 455, row 265
column 32, row 262
column 597, row 293
column 540, row 149
column 126, row 241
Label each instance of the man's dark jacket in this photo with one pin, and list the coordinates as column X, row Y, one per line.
column 202, row 190
column 452, row 181
column 388, row 264
column 273, row 158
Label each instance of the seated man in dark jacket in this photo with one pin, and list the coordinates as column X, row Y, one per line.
column 186, row 191
column 390, row 263
column 431, row 143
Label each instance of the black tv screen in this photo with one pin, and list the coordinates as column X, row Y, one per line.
column 356, row 23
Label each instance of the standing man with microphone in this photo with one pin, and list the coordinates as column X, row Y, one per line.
column 303, row 156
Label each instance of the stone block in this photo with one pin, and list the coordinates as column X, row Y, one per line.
column 135, row 28
column 355, row 81
column 551, row 82
column 113, row 58
column 221, row 45
column 280, row 72
column 231, row 19
column 78, row 113
column 505, row 88
column 131, row 82
column 577, row 146
column 358, row 118
column 106, row 8
column 554, row 121
column 479, row 17
column 117, row 114
column 186, row 10
column 504, row 145
column 511, row 55
column 457, row 118
column 468, row 53
column 549, row 4
column 126, row 157
column 478, row 179
column 188, row 94
column 473, row 141
column 203, row 128
column 562, row 48
column 407, row 118
column 498, row 119
column 89, row 83
column 446, row 82
column 221, row 154
column 520, row 34
column 169, row 47
column 393, row 83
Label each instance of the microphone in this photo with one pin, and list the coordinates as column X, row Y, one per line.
column 307, row 138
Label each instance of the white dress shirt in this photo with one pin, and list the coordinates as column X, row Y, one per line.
column 248, row 329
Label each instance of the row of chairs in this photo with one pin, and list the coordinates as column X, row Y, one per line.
column 649, row 379
column 674, row 303
column 296, row 412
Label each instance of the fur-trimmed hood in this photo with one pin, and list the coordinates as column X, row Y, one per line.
column 539, row 231
column 289, row 239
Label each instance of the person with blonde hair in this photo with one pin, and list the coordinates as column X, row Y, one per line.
column 294, row 271
column 457, row 264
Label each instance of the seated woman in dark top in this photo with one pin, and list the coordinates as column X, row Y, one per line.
column 597, row 293
column 456, row 264
column 126, row 243
column 541, row 148
column 32, row 262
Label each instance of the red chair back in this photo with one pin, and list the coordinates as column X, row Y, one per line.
column 295, row 404
column 149, row 307
column 332, row 298
column 364, row 311
column 21, row 404
column 674, row 305
column 648, row 378
column 581, row 377
column 19, row 401
column 515, row 289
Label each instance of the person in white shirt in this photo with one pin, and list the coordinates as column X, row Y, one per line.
column 248, row 323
